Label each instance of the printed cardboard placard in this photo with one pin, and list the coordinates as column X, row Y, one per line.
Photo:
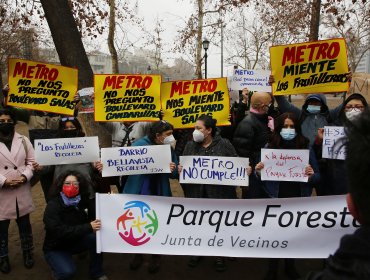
column 66, row 150
column 184, row 101
column 214, row 170
column 311, row 67
column 127, row 97
column 41, row 86
column 257, row 228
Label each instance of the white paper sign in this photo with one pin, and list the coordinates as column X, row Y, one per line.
column 214, row 170
column 333, row 145
column 66, row 150
column 254, row 80
column 263, row 228
column 284, row 165
column 136, row 160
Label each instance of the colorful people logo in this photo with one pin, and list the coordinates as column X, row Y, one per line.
column 138, row 223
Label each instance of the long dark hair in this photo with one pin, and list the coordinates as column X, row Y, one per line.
column 301, row 142
column 9, row 112
column 58, row 184
column 75, row 122
column 209, row 122
column 159, row 127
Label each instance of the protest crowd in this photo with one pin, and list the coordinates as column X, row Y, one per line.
column 257, row 127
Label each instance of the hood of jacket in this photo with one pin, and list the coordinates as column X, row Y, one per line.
column 320, row 97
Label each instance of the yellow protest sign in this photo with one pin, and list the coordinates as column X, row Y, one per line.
column 127, row 97
column 184, row 101
column 310, row 67
column 43, row 87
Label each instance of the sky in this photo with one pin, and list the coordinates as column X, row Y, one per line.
column 174, row 13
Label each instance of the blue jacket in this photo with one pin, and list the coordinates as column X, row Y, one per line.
column 135, row 183
column 272, row 187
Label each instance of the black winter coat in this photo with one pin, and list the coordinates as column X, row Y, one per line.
column 65, row 226
column 351, row 261
column 219, row 147
column 251, row 136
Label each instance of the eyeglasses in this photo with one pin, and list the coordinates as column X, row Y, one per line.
column 355, row 108
column 74, row 183
column 67, row 119
column 7, row 121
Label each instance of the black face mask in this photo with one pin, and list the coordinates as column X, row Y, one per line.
column 71, row 133
column 6, row 128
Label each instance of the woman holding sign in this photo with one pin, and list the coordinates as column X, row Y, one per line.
column 16, row 157
column 161, row 133
column 288, row 135
column 206, row 142
column 69, row 231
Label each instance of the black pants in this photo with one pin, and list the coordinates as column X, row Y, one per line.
column 25, row 234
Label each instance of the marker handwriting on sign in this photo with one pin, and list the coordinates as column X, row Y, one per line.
column 39, row 71
column 283, row 159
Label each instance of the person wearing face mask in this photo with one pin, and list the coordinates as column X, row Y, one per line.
column 70, row 127
column 333, row 171
column 251, row 135
column 313, row 115
column 288, row 135
column 68, row 229
column 206, row 142
column 16, row 157
column 161, row 133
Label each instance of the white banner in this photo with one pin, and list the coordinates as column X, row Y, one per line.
column 136, row 160
column 214, row 170
column 66, row 150
column 254, row 80
column 266, row 228
column 333, row 144
column 284, row 165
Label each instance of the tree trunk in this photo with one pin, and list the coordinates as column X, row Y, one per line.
column 315, row 20
column 68, row 43
column 198, row 58
column 112, row 30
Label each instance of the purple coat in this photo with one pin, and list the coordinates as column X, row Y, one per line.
column 13, row 164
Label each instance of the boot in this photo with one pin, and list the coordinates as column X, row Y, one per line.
column 27, row 247
column 290, row 269
column 5, row 265
column 28, row 259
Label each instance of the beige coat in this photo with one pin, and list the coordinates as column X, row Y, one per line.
column 13, row 164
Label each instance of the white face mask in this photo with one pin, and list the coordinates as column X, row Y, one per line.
column 352, row 115
column 169, row 140
column 198, row 136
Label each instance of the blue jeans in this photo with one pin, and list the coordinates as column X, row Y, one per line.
column 62, row 264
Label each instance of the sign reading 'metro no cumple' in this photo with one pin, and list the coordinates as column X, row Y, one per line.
column 319, row 66
column 41, row 86
column 184, row 101
column 127, row 97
